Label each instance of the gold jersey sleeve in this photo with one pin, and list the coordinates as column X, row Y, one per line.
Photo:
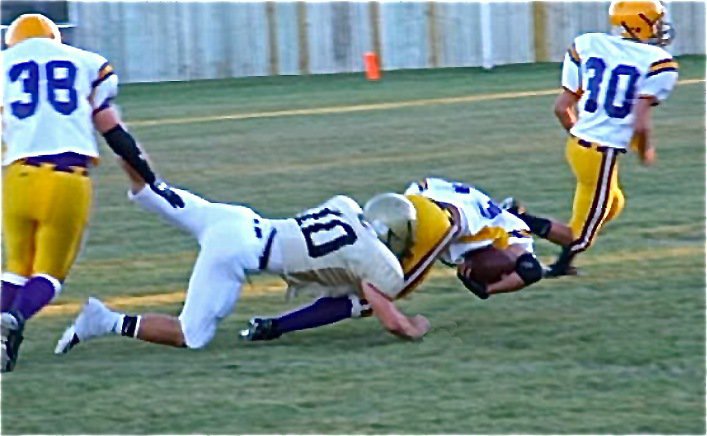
column 498, row 236
column 435, row 230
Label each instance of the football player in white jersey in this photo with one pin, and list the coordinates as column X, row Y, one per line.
column 610, row 84
column 54, row 96
column 453, row 220
column 329, row 249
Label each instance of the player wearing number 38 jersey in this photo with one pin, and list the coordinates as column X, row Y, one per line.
column 54, row 96
column 330, row 249
column 610, row 83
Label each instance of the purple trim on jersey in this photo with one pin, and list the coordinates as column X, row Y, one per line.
column 101, row 80
column 519, row 234
column 662, row 70
column 662, row 61
column 574, row 61
column 104, row 105
column 61, row 160
column 265, row 257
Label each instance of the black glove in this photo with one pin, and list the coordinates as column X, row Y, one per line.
column 165, row 191
column 477, row 288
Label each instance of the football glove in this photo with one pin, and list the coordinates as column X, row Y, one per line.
column 476, row 288
column 165, row 191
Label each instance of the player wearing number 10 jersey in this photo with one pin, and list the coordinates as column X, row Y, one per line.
column 53, row 97
column 330, row 249
column 610, row 84
column 453, row 221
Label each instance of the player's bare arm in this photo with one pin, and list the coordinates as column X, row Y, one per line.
column 565, row 108
column 492, row 271
column 391, row 318
column 108, row 122
column 643, row 129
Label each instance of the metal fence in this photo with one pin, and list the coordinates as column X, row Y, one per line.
column 156, row 41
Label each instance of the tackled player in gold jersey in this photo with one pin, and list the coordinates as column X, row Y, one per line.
column 435, row 219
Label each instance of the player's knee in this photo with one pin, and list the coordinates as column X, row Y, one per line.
column 196, row 337
column 196, row 342
column 528, row 268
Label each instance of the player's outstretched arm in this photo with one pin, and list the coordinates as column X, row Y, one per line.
column 108, row 122
column 136, row 182
column 392, row 319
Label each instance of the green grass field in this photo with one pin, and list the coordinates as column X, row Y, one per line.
column 618, row 350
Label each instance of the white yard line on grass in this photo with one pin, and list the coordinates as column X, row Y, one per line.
column 275, row 286
column 328, row 110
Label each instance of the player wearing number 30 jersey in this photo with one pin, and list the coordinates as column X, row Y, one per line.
column 610, row 83
column 330, row 249
column 54, row 96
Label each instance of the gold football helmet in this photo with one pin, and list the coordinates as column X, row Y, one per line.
column 641, row 20
column 394, row 219
column 28, row 26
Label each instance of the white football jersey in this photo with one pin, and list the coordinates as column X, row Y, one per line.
column 50, row 91
column 481, row 221
column 330, row 250
column 611, row 73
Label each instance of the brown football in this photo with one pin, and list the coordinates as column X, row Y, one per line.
column 488, row 264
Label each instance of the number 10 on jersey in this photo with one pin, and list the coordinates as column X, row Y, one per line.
column 325, row 232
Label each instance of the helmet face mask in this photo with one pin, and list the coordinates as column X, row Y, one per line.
column 665, row 34
column 642, row 21
column 29, row 26
column 394, row 220
column 399, row 244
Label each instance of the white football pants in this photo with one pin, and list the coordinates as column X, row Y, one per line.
column 232, row 239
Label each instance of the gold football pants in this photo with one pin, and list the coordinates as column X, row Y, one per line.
column 44, row 214
column 597, row 198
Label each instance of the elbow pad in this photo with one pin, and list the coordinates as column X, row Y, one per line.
column 528, row 268
column 123, row 144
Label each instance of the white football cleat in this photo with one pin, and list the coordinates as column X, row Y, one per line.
column 94, row 320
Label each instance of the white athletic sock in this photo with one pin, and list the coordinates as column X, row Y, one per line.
column 117, row 321
column 127, row 325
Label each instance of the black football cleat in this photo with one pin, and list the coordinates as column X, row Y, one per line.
column 260, row 329
column 554, row 271
column 11, row 327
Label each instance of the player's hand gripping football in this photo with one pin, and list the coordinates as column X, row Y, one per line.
column 165, row 191
column 476, row 287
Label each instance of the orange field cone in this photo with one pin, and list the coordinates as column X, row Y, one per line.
column 373, row 70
